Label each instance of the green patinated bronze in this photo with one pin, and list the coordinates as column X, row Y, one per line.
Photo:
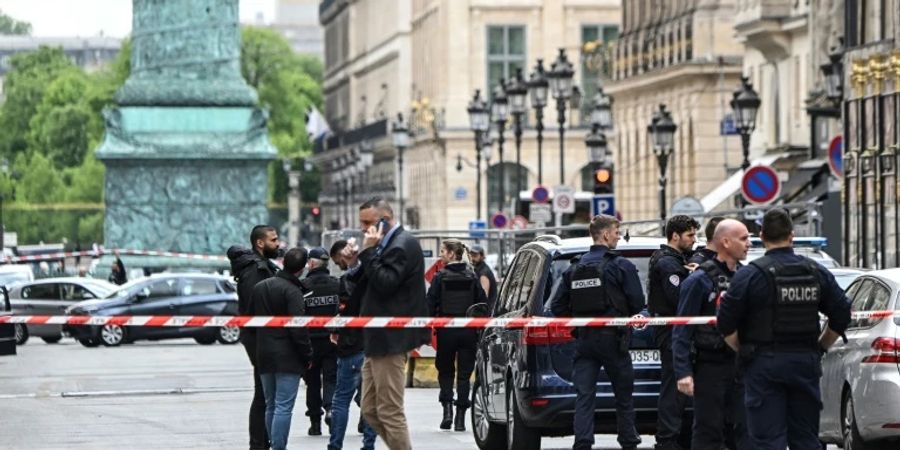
column 186, row 150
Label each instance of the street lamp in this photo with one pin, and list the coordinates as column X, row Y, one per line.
column 834, row 73
column 400, row 134
column 479, row 122
column 499, row 114
column 601, row 112
column 560, row 78
column 537, row 87
column 596, row 145
column 517, row 91
column 662, row 134
column 745, row 105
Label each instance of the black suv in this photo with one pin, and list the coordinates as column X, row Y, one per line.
column 523, row 377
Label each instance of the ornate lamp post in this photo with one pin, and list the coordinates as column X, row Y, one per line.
column 517, row 91
column 595, row 141
column 560, row 78
column 499, row 114
column 745, row 105
column 479, row 122
column 537, row 87
column 601, row 113
column 400, row 134
column 662, row 134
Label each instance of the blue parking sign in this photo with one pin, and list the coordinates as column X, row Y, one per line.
column 603, row 204
column 476, row 229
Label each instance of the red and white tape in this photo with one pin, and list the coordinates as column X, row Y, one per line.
column 377, row 322
column 101, row 252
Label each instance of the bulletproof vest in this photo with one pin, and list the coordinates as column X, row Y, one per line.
column 588, row 294
column 323, row 298
column 707, row 337
column 457, row 291
column 656, row 296
column 789, row 319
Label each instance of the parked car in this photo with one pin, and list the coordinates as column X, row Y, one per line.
column 7, row 330
column 163, row 294
column 50, row 297
column 810, row 247
column 523, row 379
column 11, row 274
column 861, row 378
column 845, row 276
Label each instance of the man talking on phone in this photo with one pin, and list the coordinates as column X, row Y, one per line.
column 393, row 270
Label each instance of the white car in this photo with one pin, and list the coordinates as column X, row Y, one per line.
column 861, row 378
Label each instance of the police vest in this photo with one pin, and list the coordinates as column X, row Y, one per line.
column 657, row 303
column 457, row 291
column 323, row 296
column 588, row 294
column 707, row 337
column 789, row 319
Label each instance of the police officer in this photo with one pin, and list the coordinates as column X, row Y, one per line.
column 770, row 315
column 601, row 284
column 322, row 300
column 485, row 274
column 709, row 251
column 453, row 290
column 668, row 268
column 712, row 378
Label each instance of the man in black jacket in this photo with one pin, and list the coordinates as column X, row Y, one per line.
column 393, row 269
column 322, row 300
column 283, row 354
column 249, row 267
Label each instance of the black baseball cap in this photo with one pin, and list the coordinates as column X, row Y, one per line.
column 476, row 249
column 318, row 253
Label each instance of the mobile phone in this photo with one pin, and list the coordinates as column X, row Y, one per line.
column 383, row 225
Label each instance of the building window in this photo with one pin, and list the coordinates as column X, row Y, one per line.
column 506, row 52
column 598, row 65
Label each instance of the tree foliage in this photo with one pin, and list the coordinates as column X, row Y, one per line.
column 10, row 26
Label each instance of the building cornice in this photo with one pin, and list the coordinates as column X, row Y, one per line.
column 670, row 75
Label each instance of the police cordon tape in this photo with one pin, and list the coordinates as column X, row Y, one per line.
column 378, row 322
column 102, row 251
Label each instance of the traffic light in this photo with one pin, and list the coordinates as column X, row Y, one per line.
column 315, row 211
column 603, row 180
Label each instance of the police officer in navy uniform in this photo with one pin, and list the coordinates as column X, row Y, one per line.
column 668, row 268
column 453, row 290
column 322, row 299
column 709, row 251
column 704, row 365
column 770, row 315
column 601, row 284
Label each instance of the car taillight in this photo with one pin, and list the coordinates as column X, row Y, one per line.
column 886, row 351
column 547, row 335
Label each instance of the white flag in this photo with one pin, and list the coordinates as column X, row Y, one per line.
column 316, row 126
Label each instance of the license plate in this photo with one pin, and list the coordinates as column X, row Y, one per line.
column 644, row 356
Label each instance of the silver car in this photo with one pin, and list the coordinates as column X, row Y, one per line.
column 861, row 378
column 51, row 297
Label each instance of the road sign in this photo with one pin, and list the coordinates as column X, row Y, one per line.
column 476, row 229
column 519, row 223
column 836, row 156
column 760, row 185
column 563, row 199
column 727, row 127
column 460, row 193
column 540, row 213
column 499, row 220
column 688, row 206
column 603, row 204
column 540, row 194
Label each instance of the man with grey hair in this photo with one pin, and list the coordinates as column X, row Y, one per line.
column 704, row 365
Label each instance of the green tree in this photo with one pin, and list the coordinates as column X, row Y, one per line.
column 40, row 182
column 85, row 182
column 10, row 26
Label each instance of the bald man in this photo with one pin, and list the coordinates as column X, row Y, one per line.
column 704, row 365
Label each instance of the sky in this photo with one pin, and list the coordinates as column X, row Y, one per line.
column 82, row 18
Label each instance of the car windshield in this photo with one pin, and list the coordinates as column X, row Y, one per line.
column 14, row 277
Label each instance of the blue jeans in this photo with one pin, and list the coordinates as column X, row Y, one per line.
column 280, row 390
column 349, row 378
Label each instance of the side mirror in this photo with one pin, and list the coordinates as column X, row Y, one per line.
column 140, row 295
column 478, row 310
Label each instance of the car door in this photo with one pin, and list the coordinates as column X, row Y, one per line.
column 198, row 297
column 7, row 331
column 42, row 299
column 156, row 298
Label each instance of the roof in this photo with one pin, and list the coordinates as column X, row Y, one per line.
column 583, row 244
column 888, row 274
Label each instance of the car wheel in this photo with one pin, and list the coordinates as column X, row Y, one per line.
column 205, row 340
column 112, row 335
column 21, row 333
column 229, row 335
column 51, row 339
column 518, row 435
column 488, row 435
column 90, row 343
column 849, row 429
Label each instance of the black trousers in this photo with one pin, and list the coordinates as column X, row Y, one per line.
column 259, row 439
column 455, row 360
column 671, row 406
column 719, row 417
column 321, row 377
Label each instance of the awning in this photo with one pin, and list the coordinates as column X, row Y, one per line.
column 732, row 185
